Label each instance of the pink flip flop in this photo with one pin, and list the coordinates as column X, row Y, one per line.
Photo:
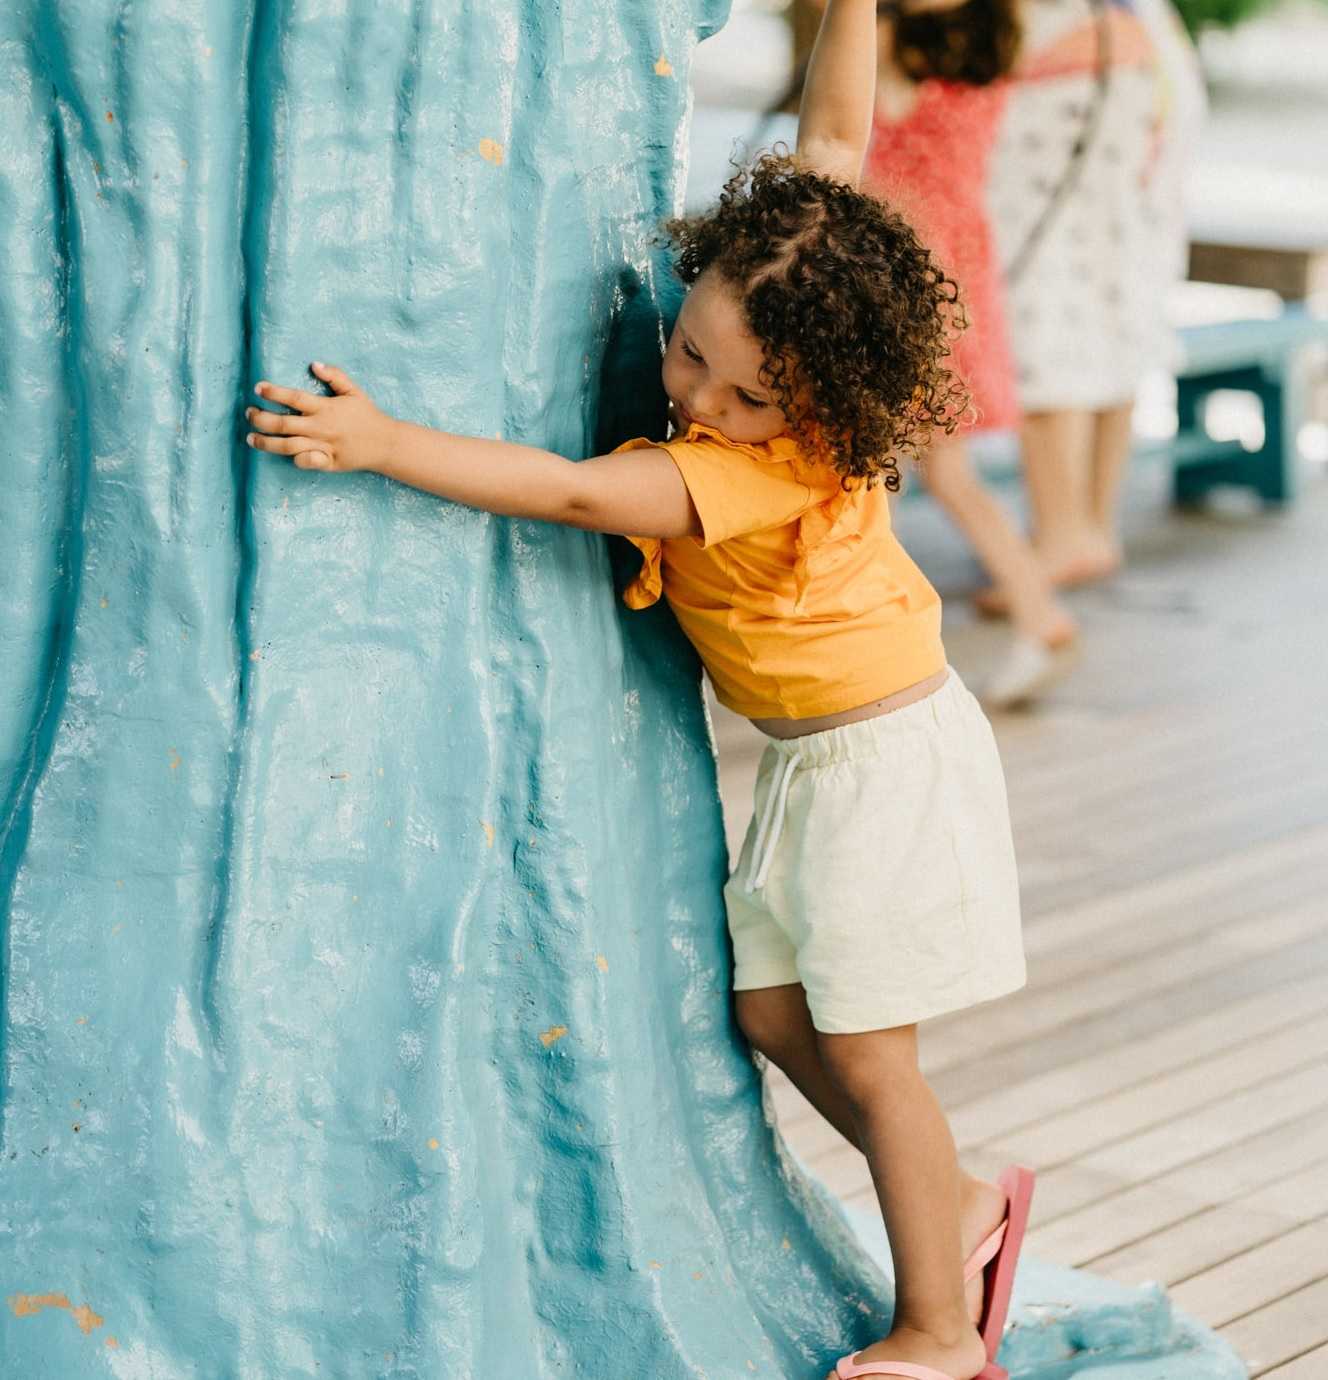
column 846, row 1368
column 996, row 1259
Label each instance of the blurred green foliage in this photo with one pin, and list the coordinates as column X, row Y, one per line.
column 1203, row 14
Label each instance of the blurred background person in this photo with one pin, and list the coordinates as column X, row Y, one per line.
column 1086, row 200
column 940, row 101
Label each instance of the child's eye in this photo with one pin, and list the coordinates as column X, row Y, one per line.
column 751, row 401
column 690, row 353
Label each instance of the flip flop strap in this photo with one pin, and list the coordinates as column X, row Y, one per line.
column 985, row 1253
column 846, row 1369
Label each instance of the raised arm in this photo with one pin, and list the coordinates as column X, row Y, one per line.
column 834, row 123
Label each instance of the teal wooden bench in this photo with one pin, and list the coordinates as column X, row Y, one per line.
column 1253, row 356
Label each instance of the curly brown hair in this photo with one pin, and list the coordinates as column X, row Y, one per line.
column 854, row 316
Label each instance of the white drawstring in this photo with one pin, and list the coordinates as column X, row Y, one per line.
column 772, row 821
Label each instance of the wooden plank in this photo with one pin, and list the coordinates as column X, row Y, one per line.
column 1134, row 1019
column 1258, row 1277
column 1218, row 1233
column 1283, row 1330
column 1013, row 1106
column 1037, row 1010
column 1212, row 1128
column 1113, row 1219
column 1311, row 1365
column 1294, row 273
column 1159, row 1101
column 1180, row 830
column 1210, row 881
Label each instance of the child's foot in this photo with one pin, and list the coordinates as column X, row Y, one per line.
column 961, row 1356
column 981, row 1210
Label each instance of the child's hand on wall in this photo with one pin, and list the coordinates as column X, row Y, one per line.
column 340, row 433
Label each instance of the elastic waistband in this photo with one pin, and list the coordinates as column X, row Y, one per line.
column 871, row 737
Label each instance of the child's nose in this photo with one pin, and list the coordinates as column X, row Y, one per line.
column 703, row 402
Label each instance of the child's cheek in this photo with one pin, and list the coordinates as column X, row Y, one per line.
column 670, row 374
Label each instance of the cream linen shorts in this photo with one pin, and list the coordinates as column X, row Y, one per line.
column 878, row 869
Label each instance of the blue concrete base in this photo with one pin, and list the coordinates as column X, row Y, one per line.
column 1068, row 1323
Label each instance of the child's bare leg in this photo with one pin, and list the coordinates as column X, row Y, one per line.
column 1112, row 439
column 1000, row 546
column 912, row 1157
column 776, row 1022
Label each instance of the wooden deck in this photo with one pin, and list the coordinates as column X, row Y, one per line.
column 1166, row 1069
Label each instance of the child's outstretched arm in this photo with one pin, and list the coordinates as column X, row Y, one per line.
column 834, row 123
column 638, row 493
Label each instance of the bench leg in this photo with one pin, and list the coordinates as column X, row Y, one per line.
column 1267, row 470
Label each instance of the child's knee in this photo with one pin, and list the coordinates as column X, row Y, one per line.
column 861, row 1066
column 774, row 1020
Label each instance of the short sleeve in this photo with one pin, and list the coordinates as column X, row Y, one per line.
column 737, row 489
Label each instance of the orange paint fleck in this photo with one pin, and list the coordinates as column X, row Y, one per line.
column 105, row 602
column 488, row 833
column 601, row 963
column 87, row 1320
column 663, row 68
column 552, row 1035
column 82, row 1020
column 787, row 1244
column 112, row 1343
column 655, row 1265
column 698, row 1274
column 256, row 654
column 110, row 119
column 433, row 1143
column 29, row 1305
column 176, row 759
column 491, row 151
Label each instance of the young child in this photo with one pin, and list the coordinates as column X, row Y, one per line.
column 877, row 884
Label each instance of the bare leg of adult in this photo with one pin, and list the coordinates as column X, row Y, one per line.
column 1112, row 440
column 1058, row 450
column 1034, row 658
column 991, row 531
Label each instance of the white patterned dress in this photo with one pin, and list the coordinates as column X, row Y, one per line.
column 1086, row 199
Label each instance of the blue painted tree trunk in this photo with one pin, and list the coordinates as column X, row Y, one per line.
column 365, row 984
column 365, row 988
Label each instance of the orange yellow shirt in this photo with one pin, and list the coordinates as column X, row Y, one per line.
column 797, row 596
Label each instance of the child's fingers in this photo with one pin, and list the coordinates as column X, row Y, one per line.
column 313, row 460
column 281, row 445
column 337, row 379
column 289, row 397
column 275, row 423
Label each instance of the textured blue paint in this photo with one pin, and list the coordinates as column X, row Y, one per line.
column 1070, row 1323
column 323, row 801
column 262, row 951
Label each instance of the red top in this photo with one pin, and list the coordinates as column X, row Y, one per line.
column 931, row 166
